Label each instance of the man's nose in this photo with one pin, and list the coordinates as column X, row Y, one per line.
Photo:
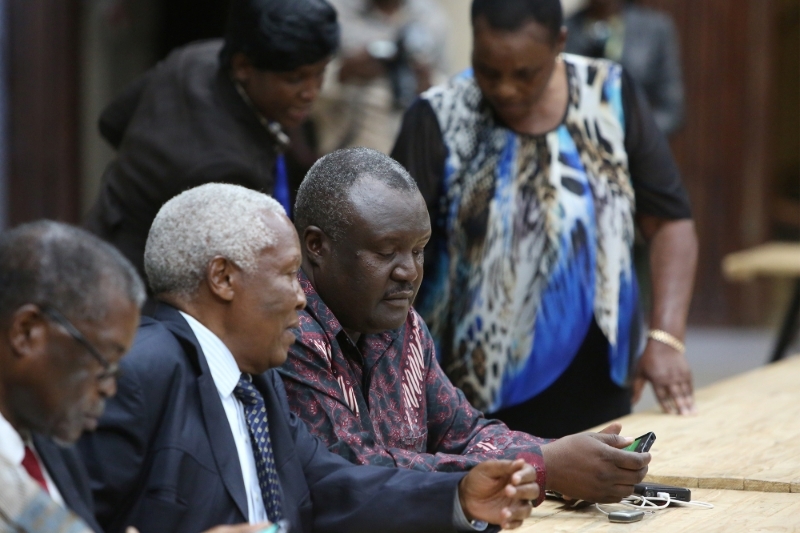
column 107, row 386
column 406, row 269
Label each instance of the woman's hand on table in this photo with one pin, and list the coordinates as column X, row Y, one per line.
column 669, row 373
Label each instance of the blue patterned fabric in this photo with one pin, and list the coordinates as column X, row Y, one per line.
column 537, row 237
column 256, row 413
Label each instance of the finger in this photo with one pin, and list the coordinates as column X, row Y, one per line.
column 685, row 397
column 679, row 397
column 627, row 460
column 528, row 491
column 520, row 510
column 613, row 440
column 612, row 429
column 131, row 529
column 498, row 468
column 525, row 474
column 638, row 387
column 665, row 400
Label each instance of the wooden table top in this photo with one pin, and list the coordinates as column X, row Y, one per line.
column 734, row 511
column 771, row 259
column 745, row 435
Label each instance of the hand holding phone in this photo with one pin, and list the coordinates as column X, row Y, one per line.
column 642, row 444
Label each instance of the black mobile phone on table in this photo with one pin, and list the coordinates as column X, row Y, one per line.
column 642, row 444
column 651, row 490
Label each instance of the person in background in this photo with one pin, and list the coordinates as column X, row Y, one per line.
column 200, row 432
column 536, row 167
column 214, row 111
column 363, row 372
column 391, row 51
column 644, row 42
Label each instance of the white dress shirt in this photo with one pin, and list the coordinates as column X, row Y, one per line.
column 12, row 448
column 226, row 374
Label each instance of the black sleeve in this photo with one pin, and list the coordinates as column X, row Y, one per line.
column 654, row 173
column 117, row 115
column 419, row 148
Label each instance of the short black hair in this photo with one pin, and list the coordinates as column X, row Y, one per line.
column 323, row 199
column 64, row 267
column 280, row 35
column 511, row 15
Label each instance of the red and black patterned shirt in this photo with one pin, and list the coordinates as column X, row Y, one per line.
column 385, row 400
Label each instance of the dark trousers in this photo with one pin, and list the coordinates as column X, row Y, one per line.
column 582, row 397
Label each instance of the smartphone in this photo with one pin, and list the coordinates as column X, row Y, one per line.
column 643, row 443
column 651, row 490
column 626, row 516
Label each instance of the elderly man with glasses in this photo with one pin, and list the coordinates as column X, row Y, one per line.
column 69, row 308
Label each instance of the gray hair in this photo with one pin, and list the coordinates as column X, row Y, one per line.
column 323, row 199
column 50, row 263
column 215, row 219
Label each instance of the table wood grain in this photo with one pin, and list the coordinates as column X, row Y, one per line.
column 734, row 512
column 745, row 435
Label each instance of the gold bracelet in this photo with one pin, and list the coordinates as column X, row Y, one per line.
column 666, row 338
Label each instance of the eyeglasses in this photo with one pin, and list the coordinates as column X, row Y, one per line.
column 52, row 313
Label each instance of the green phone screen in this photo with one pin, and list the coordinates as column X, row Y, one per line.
column 632, row 446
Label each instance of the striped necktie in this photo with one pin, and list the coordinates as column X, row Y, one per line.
column 256, row 414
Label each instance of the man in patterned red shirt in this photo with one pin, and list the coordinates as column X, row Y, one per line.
column 363, row 372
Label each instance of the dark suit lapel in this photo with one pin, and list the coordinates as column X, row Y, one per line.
column 216, row 422
column 65, row 480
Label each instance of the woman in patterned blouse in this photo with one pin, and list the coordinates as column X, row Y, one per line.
column 537, row 166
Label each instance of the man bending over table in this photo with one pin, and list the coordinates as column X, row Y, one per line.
column 363, row 372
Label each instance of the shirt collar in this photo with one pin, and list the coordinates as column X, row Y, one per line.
column 316, row 307
column 224, row 370
column 12, row 447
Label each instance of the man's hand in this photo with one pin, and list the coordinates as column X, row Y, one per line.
column 668, row 371
column 591, row 467
column 499, row 492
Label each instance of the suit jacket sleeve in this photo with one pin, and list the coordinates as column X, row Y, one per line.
column 348, row 497
column 114, row 455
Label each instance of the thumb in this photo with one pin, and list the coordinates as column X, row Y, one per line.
column 498, row 468
column 613, row 440
column 131, row 529
column 613, row 428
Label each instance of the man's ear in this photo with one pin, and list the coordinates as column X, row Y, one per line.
column 561, row 40
column 316, row 245
column 221, row 276
column 27, row 332
column 241, row 68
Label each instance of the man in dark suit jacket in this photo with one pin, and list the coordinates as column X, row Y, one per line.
column 214, row 111
column 177, row 449
column 69, row 308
